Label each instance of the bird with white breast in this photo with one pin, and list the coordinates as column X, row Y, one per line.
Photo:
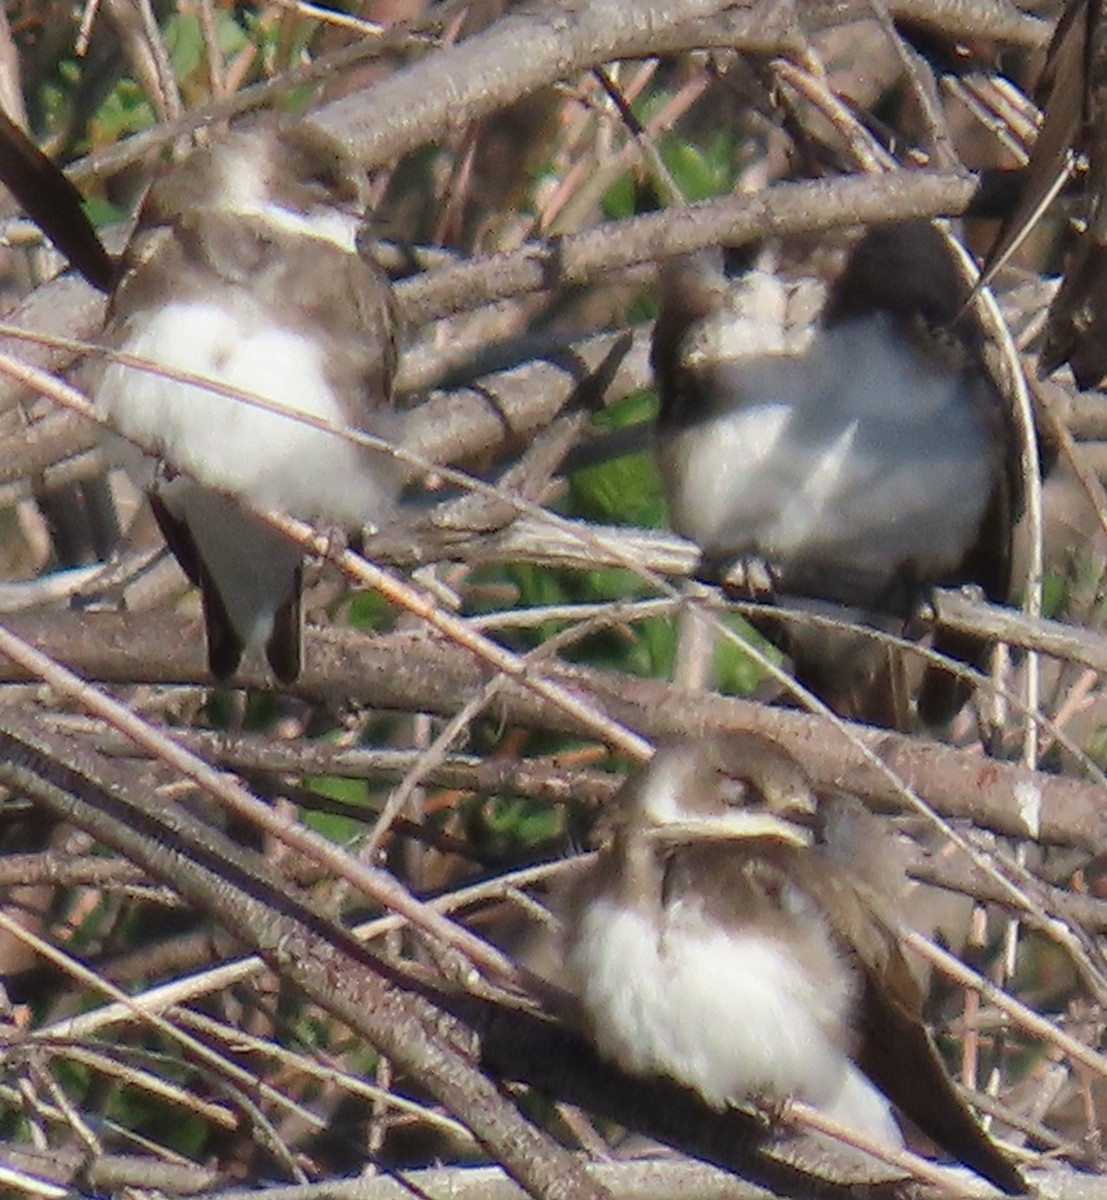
column 860, row 458
column 243, row 277
column 715, row 943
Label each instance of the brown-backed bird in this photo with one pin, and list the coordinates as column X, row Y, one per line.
column 244, row 270
column 713, row 943
column 863, row 458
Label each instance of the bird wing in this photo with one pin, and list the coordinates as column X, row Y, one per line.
column 894, row 1047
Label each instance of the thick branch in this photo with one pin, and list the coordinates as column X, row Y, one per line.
column 449, row 89
column 590, row 257
column 415, row 673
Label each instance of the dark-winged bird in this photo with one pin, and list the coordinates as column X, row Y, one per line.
column 862, row 459
column 716, row 944
column 244, row 270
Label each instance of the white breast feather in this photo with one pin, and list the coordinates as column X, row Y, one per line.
column 816, row 450
column 272, row 461
column 732, row 1016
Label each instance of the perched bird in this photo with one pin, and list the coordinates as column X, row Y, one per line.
column 243, row 270
column 862, row 459
column 715, row 944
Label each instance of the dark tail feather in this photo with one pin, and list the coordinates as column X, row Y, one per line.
column 284, row 649
column 942, row 694
column 899, row 1056
column 178, row 538
column 225, row 647
column 856, row 676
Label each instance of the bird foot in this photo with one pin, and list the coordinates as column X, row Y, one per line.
column 749, row 578
column 767, row 1111
column 336, row 541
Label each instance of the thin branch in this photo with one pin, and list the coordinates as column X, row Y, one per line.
column 240, row 890
column 1069, row 643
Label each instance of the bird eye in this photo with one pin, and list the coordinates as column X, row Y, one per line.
column 734, row 793
column 324, row 181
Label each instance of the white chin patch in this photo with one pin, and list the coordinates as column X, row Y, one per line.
column 326, row 224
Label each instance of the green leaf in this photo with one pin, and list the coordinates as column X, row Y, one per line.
column 736, row 673
column 100, row 211
column 125, row 111
column 185, row 45
column 333, row 826
column 620, row 199
column 368, row 610
column 509, row 826
column 697, row 174
column 624, row 490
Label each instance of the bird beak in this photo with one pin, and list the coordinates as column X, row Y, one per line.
column 733, row 825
